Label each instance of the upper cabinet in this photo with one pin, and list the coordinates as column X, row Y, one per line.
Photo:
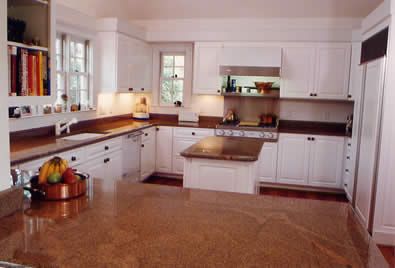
column 207, row 58
column 125, row 62
column 316, row 71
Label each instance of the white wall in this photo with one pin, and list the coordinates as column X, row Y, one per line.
column 4, row 136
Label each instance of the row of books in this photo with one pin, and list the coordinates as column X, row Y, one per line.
column 28, row 72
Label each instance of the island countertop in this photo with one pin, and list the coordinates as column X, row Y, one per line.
column 226, row 148
column 123, row 224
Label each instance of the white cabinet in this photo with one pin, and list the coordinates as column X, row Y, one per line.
column 316, row 71
column 267, row 168
column 310, row 160
column 293, row 159
column 107, row 167
column 332, row 71
column 297, row 80
column 125, row 63
column 206, row 79
column 148, row 152
column 182, row 139
column 326, row 161
column 164, row 149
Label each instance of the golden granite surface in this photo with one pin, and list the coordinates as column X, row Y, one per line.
column 124, row 224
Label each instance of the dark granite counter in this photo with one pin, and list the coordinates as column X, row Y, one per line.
column 313, row 128
column 225, row 148
column 135, row 225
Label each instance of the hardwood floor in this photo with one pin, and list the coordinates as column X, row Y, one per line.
column 388, row 252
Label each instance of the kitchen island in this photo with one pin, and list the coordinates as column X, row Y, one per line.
column 223, row 164
column 138, row 225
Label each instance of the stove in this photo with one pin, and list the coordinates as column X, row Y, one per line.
column 233, row 129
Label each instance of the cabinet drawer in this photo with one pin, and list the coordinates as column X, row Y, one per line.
column 104, row 147
column 180, row 144
column 148, row 133
column 193, row 132
column 74, row 157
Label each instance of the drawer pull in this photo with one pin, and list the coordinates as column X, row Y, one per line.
column 157, row 129
column 73, row 158
column 313, row 139
column 106, row 160
column 106, row 148
column 142, row 145
column 349, row 96
column 309, row 139
column 219, row 91
column 349, row 145
column 193, row 133
column 146, row 134
column 348, row 157
column 142, row 89
column 131, row 89
column 347, row 170
column 311, row 95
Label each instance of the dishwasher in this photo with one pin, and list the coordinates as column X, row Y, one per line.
column 131, row 146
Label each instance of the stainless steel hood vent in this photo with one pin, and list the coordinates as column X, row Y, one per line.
column 251, row 61
column 250, row 71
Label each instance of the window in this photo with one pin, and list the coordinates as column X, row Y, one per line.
column 172, row 78
column 72, row 66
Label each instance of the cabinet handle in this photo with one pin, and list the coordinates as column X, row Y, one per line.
column 219, row 91
column 73, row 158
column 142, row 89
column 349, row 145
column 348, row 157
column 311, row 95
column 146, row 134
column 349, row 96
column 309, row 139
column 106, row 148
column 313, row 139
column 193, row 133
column 106, row 160
column 347, row 170
column 157, row 129
column 131, row 89
column 142, row 145
column 315, row 95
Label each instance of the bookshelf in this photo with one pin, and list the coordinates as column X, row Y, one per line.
column 39, row 29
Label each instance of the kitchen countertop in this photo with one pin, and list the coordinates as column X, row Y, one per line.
column 126, row 224
column 30, row 148
column 225, row 148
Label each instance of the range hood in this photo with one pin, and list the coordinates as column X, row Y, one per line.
column 251, row 61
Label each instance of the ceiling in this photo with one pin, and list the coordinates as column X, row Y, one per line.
column 185, row 9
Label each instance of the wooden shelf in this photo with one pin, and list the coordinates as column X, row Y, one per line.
column 16, row 44
column 274, row 94
column 27, row 3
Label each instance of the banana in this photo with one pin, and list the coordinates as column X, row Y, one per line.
column 57, row 168
column 62, row 168
column 44, row 173
column 65, row 163
column 50, row 170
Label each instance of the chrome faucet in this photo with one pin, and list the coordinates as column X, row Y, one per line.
column 59, row 128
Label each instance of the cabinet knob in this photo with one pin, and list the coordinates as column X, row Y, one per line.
column 347, row 170
column 142, row 89
column 106, row 148
column 309, row 139
column 219, row 91
column 348, row 157
column 130, row 89
column 311, row 95
column 106, row 160
column 142, row 145
column 349, row 96
column 349, row 145
column 157, row 129
column 313, row 139
column 73, row 158
column 315, row 95
column 193, row 133
column 146, row 134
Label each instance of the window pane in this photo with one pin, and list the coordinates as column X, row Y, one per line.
column 84, row 97
column 72, row 49
column 74, row 98
column 179, row 72
column 179, row 61
column 79, row 65
column 80, row 50
column 60, row 81
column 168, row 61
column 59, row 96
column 72, row 65
column 58, row 46
column 168, row 72
column 73, row 82
column 83, row 82
column 59, row 63
column 166, row 89
column 178, row 90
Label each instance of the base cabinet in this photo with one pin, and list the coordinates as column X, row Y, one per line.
column 164, row 149
column 148, row 152
column 310, row 160
column 267, row 166
column 106, row 167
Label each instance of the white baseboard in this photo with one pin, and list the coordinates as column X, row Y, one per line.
column 384, row 238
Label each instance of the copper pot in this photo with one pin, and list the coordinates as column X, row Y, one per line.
column 59, row 191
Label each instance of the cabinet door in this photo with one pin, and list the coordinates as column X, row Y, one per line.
column 113, row 165
column 267, row 169
column 147, row 157
column 139, row 67
column 332, row 72
column 179, row 145
column 123, row 63
column 293, row 159
column 95, row 168
column 326, row 161
column 164, row 148
column 206, row 71
column 297, row 72
column 356, row 73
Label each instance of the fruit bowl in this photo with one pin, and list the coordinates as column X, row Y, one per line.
column 59, row 191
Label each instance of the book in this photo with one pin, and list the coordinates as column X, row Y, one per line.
column 30, row 75
column 39, row 72
column 34, row 75
column 23, row 72
column 14, row 54
column 9, row 69
column 49, row 77
column 45, row 75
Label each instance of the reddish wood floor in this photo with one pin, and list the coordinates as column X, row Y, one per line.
column 388, row 252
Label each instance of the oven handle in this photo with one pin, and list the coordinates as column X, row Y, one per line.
column 135, row 135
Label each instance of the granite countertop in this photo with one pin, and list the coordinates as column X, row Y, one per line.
column 226, row 148
column 126, row 224
column 313, row 128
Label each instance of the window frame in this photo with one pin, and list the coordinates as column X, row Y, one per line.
column 162, row 78
column 66, row 39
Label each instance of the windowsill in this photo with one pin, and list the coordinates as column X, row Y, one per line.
column 53, row 114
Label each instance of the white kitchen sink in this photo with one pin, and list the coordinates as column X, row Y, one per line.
column 83, row 136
